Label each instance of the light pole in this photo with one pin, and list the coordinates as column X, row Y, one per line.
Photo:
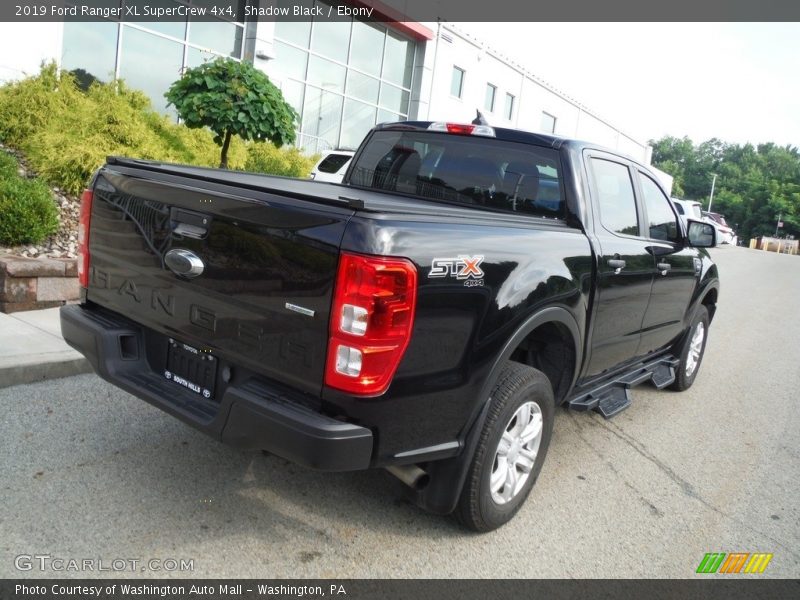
column 711, row 198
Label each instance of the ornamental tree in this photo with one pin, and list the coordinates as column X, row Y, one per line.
column 233, row 98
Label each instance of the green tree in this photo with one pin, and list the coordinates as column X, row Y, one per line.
column 672, row 155
column 755, row 184
column 233, row 98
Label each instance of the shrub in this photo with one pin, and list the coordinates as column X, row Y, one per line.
column 66, row 134
column 28, row 105
column 28, row 213
column 8, row 166
column 290, row 162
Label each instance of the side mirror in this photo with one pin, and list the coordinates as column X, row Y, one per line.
column 701, row 235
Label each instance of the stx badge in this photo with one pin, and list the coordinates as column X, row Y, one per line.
column 463, row 268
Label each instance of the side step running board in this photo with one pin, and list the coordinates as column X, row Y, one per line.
column 612, row 397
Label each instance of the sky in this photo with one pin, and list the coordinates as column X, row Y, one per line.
column 739, row 82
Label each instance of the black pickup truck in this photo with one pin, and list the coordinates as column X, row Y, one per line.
column 426, row 316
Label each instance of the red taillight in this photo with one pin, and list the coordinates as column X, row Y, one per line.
column 460, row 128
column 463, row 128
column 83, row 238
column 371, row 321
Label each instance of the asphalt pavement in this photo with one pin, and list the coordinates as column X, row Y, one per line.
column 89, row 472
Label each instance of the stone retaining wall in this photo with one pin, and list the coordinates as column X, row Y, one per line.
column 34, row 283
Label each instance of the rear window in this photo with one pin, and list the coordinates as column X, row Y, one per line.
column 333, row 162
column 474, row 170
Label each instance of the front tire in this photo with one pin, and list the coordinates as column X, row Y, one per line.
column 511, row 450
column 692, row 351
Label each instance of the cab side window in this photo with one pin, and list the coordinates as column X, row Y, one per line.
column 662, row 223
column 615, row 197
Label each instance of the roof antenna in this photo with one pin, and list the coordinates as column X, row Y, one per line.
column 479, row 119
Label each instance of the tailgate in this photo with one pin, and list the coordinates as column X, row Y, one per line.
column 268, row 263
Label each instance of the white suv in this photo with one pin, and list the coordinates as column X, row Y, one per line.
column 692, row 209
column 688, row 209
column 332, row 166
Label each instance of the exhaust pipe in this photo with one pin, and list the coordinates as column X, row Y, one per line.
column 411, row 475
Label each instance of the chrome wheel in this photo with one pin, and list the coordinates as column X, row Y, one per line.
column 695, row 348
column 516, row 453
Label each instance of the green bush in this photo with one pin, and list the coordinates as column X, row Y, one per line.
column 8, row 166
column 29, row 105
column 28, row 213
column 290, row 162
column 66, row 134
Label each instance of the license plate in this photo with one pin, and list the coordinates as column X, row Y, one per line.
column 194, row 369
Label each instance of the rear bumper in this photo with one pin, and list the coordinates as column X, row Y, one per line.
column 251, row 412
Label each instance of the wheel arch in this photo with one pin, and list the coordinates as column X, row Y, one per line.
column 709, row 300
column 448, row 476
column 707, row 296
column 552, row 322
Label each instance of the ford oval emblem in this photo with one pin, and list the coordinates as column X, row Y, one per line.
column 184, row 263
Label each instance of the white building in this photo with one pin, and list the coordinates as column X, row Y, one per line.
column 341, row 77
column 464, row 74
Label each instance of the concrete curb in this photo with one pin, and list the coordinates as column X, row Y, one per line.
column 43, row 369
column 32, row 349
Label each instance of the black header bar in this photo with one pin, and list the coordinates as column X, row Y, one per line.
column 403, row 10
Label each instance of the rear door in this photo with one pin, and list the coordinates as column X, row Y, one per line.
column 268, row 261
column 625, row 266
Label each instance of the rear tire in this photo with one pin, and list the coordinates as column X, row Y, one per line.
column 511, row 450
column 692, row 351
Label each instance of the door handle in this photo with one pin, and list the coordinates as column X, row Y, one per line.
column 189, row 223
column 664, row 267
column 617, row 264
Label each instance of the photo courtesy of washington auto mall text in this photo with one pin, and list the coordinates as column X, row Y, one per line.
column 74, row 591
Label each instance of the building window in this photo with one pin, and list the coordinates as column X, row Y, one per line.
column 359, row 118
column 457, row 82
column 342, row 77
column 149, row 55
column 491, row 92
column 398, row 59
column 548, row 123
column 366, row 48
column 509, row 106
column 90, row 51
column 138, row 49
